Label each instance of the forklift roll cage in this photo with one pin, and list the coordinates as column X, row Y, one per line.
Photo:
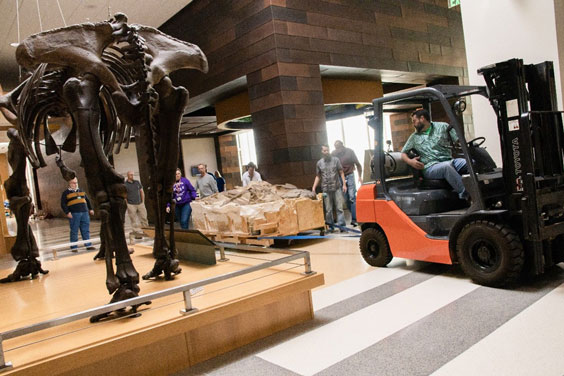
column 423, row 96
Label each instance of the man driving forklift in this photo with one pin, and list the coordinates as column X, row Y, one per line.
column 432, row 143
column 515, row 225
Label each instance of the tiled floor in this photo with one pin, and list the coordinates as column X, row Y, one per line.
column 410, row 318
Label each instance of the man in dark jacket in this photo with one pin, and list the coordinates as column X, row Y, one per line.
column 78, row 209
column 349, row 161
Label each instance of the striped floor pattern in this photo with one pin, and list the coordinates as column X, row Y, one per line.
column 427, row 320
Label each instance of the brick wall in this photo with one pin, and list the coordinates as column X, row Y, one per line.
column 229, row 160
column 401, row 127
column 279, row 45
column 243, row 36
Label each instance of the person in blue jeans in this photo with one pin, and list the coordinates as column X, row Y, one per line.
column 183, row 193
column 78, row 209
column 432, row 140
column 349, row 161
column 329, row 173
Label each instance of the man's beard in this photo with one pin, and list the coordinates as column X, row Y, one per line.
column 419, row 127
column 327, row 157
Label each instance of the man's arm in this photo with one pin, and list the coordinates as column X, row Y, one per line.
column 342, row 175
column 64, row 205
column 315, row 183
column 413, row 162
column 358, row 167
column 214, row 186
column 453, row 135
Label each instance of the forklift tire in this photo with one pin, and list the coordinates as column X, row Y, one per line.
column 491, row 254
column 374, row 247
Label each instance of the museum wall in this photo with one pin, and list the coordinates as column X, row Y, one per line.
column 527, row 30
column 278, row 46
column 126, row 160
column 196, row 151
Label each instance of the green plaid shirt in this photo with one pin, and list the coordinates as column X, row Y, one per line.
column 432, row 145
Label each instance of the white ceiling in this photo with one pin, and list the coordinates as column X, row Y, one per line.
column 148, row 12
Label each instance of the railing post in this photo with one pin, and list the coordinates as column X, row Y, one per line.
column 3, row 365
column 188, row 309
column 307, row 264
column 222, row 253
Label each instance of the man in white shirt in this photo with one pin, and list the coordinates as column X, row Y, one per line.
column 251, row 175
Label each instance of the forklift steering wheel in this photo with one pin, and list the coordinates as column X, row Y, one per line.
column 393, row 164
column 476, row 142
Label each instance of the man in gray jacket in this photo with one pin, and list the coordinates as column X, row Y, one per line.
column 206, row 183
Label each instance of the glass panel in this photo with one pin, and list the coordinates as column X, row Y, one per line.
column 246, row 147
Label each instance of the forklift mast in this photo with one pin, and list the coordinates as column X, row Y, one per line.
column 532, row 144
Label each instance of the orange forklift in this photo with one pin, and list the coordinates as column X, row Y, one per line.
column 514, row 221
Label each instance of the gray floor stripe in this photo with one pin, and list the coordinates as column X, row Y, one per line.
column 231, row 362
column 426, row 345
column 381, row 292
column 251, row 366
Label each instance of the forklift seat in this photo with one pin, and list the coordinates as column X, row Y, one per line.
column 422, row 183
column 413, row 200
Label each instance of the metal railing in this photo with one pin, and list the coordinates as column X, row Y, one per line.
column 66, row 246
column 184, row 289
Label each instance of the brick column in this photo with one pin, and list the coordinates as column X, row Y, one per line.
column 229, row 160
column 401, row 129
column 286, row 102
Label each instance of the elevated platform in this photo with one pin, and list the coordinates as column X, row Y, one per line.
column 231, row 313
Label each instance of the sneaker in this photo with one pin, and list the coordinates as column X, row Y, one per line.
column 74, row 250
column 91, row 248
column 354, row 224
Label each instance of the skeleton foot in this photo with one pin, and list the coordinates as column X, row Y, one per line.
column 100, row 255
column 132, row 313
column 124, row 283
column 166, row 265
column 26, row 269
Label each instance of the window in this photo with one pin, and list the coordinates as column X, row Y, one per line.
column 355, row 134
column 246, row 147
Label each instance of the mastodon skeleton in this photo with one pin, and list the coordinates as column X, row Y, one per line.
column 112, row 79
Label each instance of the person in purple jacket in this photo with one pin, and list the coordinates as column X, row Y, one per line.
column 182, row 193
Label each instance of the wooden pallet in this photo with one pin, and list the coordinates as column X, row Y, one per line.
column 240, row 239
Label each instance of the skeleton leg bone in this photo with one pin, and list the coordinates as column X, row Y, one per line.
column 82, row 99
